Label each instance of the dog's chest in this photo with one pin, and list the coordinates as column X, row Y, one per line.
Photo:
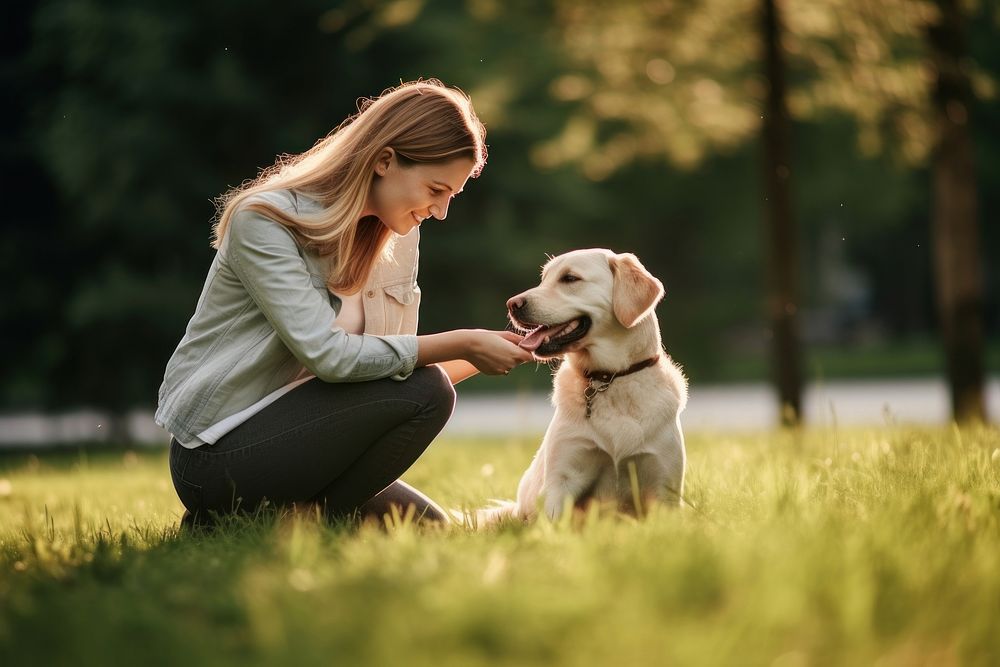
column 624, row 417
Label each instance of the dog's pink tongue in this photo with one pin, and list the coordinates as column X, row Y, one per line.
column 535, row 339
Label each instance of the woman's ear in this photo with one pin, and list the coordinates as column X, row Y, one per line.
column 635, row 292
column 384, row 161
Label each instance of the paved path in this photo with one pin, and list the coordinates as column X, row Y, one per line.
column 744, row 407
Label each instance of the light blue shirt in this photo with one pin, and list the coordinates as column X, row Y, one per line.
column 265, row 314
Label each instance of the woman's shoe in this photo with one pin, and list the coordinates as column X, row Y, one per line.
column 196, row 523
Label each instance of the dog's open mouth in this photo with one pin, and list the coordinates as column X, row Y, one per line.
column 549, row 340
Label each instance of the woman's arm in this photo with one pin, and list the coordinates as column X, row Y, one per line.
column 490, row 352
column 458, row 370
column 265, row 258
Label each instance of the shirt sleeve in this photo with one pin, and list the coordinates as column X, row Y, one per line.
column 265, row 258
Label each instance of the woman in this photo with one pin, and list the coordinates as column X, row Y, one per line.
column 300, row 378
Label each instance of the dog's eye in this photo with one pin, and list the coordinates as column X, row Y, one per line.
column 569, row 278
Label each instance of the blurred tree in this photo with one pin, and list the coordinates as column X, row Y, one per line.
column 27, row 234
column 959, row 280
column 913, row 84
column 783, row 300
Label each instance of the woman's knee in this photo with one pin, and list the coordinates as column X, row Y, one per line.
column 435, row 389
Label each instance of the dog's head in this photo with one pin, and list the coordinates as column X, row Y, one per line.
column 584, row 296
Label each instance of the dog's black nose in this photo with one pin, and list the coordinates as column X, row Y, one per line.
column 516, row 303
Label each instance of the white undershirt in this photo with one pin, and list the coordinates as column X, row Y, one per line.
column 351, row 319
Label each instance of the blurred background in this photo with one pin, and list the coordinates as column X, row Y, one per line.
column 814, row 181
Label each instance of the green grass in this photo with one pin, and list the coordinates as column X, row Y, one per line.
column 823, row 547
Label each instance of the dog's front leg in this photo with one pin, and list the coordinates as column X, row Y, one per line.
column 531, row 486
column 571, row 468
column 660, row 473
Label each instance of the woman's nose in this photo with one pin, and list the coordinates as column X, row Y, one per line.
column 440, row 211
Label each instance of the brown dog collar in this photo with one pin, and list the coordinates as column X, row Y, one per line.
column 607, row 377
column 599, row 381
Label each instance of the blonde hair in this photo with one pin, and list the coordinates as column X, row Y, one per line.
column 423, row 121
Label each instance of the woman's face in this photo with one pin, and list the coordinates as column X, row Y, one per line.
column 403, row 196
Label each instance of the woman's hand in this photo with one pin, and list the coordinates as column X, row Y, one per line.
column 491, row 352
column 495, row 352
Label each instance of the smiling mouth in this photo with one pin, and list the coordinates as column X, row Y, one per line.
column 547, row 340
column 417, row 218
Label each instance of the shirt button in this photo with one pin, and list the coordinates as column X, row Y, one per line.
column 371, row 294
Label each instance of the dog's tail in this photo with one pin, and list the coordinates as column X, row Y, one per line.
column 498, row 512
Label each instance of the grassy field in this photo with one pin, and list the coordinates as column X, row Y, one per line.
column 877, row 547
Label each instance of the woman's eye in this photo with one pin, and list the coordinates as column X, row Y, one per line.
column 568, row 278
column 436, row 192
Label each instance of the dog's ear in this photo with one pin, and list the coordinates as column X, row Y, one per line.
column 636, row 292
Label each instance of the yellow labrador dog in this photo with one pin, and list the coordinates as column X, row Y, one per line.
column 616, row 433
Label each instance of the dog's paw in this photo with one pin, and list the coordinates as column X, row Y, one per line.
column 498, row 512
column 556, row 505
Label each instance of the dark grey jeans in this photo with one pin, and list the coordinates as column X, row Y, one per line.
column 339, row 446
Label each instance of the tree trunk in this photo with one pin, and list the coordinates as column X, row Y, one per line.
column 954, row 225
column 780, row 228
